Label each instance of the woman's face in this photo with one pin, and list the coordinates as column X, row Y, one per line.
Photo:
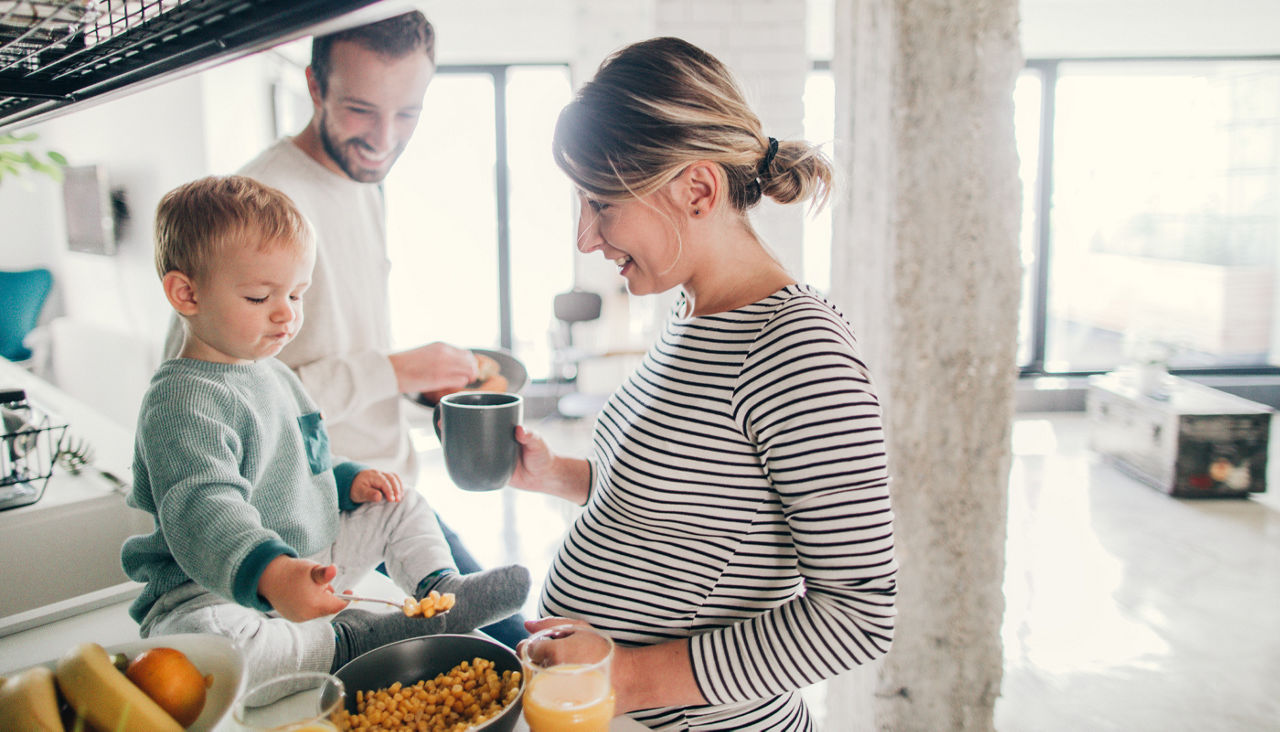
column 640, row 236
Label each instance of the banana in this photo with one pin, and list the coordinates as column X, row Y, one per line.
column 106, row 698
column 29, row 702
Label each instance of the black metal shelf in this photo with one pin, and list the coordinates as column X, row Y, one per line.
column 59, row 54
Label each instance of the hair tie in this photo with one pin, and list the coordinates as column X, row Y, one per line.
column 768, row 158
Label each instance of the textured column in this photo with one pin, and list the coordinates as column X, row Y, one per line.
column 926, row 263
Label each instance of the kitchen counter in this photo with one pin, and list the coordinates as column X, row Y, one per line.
column 66, row 541
column 67, row 544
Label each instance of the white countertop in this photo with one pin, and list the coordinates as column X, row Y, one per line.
column 63, row 551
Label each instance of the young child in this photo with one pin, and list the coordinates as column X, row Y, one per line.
column 256, row 525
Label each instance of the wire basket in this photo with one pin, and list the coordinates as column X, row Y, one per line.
column 27, row 455
column 29, row 28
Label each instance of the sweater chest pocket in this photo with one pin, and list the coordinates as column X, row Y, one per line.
column 315, row 440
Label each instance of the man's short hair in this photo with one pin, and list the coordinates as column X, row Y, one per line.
column 196, row 221
column 394, row 38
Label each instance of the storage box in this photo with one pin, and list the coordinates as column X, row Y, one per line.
column 1192, row 440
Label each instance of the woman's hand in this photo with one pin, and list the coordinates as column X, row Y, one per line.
column 376, row 486
column 644, row 677
column 299, row 589
column 542, row 471
column 536, row 461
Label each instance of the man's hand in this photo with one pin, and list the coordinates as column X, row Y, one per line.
column 299, row 589
column 434, row 366
column 376, row 485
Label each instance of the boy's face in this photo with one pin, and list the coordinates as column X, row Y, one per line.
column 250, row 305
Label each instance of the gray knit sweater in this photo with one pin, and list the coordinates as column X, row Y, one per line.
column 233, row 461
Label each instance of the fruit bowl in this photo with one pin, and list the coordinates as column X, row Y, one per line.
column 213, row 655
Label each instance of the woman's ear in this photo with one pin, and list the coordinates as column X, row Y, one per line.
column 180, row 291
column 700, row 188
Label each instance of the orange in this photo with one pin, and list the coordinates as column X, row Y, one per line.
column 171, row 680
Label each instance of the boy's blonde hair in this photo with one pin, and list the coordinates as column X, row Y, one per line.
column 196, row 221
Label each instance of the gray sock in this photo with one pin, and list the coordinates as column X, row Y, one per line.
column 360, row 631
column 482, row 597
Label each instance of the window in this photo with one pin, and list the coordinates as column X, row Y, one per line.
column 1151, row 221
column 479, row 219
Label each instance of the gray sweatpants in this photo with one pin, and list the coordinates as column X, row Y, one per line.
column 404, row 535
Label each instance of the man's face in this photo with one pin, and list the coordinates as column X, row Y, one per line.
column 370, row 109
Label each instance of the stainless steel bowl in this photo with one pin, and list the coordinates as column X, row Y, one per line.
column 414, row 659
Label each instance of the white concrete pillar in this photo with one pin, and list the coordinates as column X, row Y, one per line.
column 926, row 264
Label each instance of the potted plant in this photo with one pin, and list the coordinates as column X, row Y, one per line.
column 16, row 157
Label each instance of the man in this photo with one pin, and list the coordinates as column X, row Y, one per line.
column 366, row 85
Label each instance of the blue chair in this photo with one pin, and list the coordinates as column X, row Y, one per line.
column 22, row 295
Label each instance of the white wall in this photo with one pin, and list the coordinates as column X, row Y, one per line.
column 148, row 143
column 145, row 142
column 1128, row 28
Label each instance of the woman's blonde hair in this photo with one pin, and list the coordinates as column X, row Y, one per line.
column 659, row 105
column 197, row 220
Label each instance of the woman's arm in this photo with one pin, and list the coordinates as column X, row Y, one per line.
column 542, row 471
column 806, row 400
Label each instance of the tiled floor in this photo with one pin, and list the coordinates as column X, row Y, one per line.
column 1126, row 609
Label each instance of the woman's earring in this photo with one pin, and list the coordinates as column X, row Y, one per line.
column 697, row 212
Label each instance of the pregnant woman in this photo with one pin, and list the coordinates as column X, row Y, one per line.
column 737, row 540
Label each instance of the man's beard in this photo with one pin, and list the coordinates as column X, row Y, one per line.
column 341, row 154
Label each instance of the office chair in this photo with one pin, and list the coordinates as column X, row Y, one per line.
column 22, row 296
column 571, row 308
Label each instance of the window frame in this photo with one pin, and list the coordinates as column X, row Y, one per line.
column 1042, row 278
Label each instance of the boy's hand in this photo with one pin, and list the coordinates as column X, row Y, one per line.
column 376, row 485
column 299, row 589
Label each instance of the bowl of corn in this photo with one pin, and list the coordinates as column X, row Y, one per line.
column 454, row 682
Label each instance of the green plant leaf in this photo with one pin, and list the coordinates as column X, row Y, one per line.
column 11, row 138
column 14, row 162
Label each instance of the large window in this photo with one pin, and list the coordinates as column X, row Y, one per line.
column 479, row 219
column 1151, row 216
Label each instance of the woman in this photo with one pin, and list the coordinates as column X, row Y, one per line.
column 737, row 540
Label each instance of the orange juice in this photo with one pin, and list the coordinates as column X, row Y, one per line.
column 565, row 700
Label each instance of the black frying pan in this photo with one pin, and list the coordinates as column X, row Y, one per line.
column 414, row 659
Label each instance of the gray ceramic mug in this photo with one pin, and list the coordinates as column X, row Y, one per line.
column 477, row 431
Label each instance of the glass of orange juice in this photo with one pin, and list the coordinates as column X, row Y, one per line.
column 296, row 702
column 567, row 682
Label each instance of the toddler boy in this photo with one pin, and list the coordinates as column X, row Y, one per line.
column 256, row 525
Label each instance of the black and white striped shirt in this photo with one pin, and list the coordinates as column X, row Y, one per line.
column 741, row 500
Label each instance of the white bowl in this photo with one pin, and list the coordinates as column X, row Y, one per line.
column 212, row 655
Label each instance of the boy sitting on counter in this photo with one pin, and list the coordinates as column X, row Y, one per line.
column 256, row 524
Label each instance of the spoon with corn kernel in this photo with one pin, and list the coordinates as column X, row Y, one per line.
column 430, row 606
